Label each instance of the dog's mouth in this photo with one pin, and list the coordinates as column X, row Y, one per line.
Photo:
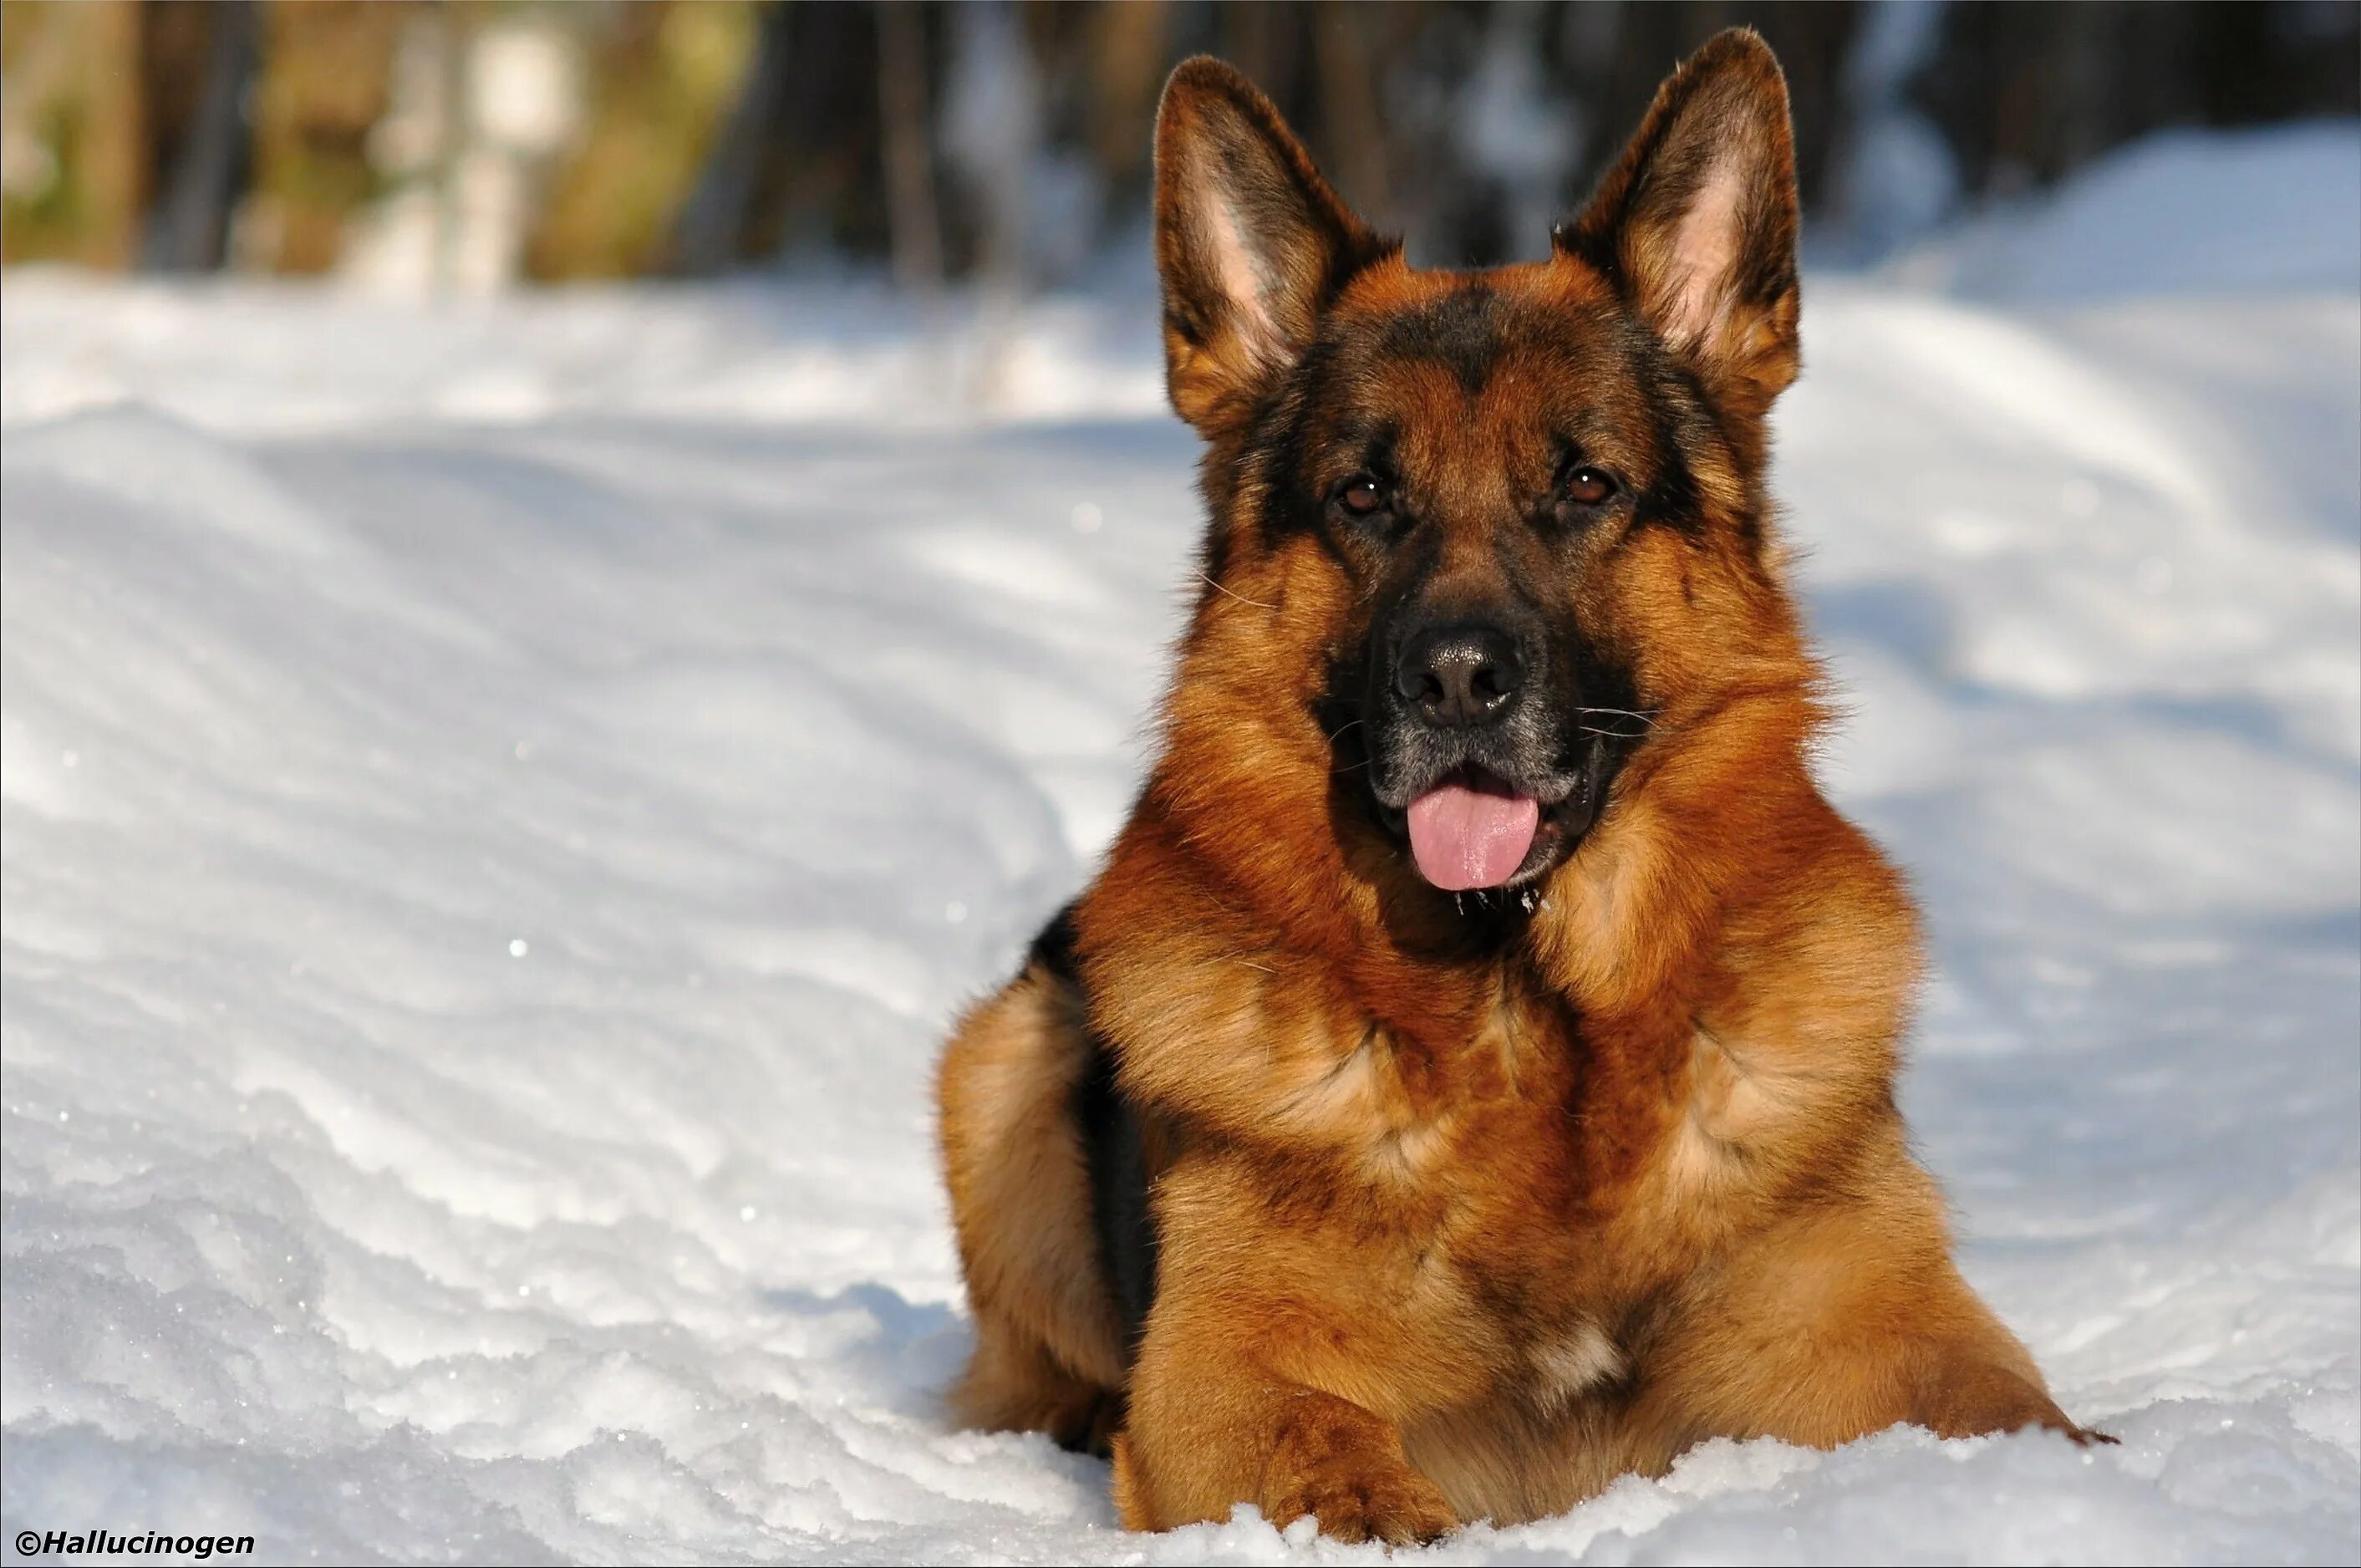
column 1472, row 830
column 1482, row 807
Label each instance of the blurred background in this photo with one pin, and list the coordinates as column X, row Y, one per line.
column 474, row 146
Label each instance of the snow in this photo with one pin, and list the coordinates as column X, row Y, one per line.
column 2271, row 208
column 502, row 798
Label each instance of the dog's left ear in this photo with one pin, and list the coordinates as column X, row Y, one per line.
column 1697, row 223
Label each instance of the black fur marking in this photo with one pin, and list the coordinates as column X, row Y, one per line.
column 1278, row 450
column 1461, row 331
column 1112, row 1151
column 1117, row 1162
column 1672, row 395
column 1053, row 947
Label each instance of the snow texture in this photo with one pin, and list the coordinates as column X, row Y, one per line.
column 503, row 798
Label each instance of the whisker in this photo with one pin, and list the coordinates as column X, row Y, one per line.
column 1234, row 593
column 1348, row 725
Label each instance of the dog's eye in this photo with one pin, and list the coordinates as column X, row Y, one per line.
column 1588, row 486
column 1361, row 495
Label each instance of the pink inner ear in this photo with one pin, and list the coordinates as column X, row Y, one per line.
column 1240, row 273
column 1705, row 247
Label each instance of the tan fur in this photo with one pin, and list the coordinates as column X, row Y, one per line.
column 1448, row 1233
column 1047, row 1334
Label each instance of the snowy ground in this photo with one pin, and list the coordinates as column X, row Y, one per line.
column 501, row 801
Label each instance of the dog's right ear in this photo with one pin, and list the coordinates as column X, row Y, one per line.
column 1250, row 243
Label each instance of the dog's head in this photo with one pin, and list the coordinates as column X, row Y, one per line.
column 1508, row 524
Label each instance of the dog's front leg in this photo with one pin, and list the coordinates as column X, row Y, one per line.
column 1276, row 1363
column 1211, row 1428
column 1835, row 1324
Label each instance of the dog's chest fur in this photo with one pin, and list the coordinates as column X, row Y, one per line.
column 1484, row 1195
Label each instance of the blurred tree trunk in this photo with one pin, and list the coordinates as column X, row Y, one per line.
column 197, row 58
column 662, row 88
column 995, row 128
column 819, row 184
column 718, row 213
column 1350, row 91
column 1127, row 57
column 326, row 74
column 73, row 161
column 908, row 133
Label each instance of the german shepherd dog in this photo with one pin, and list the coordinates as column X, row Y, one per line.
column 1471, row 1077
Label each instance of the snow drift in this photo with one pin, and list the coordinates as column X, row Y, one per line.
column 501, row 801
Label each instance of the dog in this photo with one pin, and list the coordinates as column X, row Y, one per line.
column 1470, row 1078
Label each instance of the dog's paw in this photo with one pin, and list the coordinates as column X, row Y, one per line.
column 1368, row 1496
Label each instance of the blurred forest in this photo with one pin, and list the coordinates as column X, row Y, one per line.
column 478, row 143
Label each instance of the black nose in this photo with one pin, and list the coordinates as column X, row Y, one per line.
column 1457, row 675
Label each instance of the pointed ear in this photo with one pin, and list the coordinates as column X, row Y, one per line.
column 1250, row 243
column 1697, row 223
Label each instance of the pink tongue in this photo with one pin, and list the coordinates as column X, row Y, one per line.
column 1467, row 838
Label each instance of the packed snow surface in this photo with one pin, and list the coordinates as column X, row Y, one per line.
column 502, row 799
